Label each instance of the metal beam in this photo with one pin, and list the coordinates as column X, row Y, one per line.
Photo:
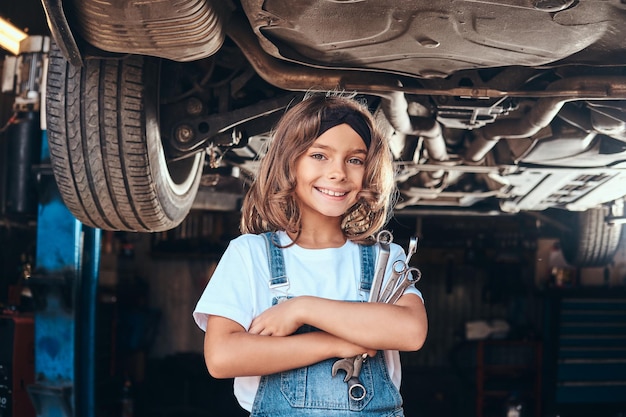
column 64, row 286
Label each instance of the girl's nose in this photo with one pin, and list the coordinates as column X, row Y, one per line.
column 337, row 170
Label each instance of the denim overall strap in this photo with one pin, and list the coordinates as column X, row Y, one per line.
column 312, row 391
column 278, row 282
column 367, row 271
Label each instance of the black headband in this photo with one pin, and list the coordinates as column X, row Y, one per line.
column 336, row 116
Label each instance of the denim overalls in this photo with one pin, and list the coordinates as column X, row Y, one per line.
column 312, row 390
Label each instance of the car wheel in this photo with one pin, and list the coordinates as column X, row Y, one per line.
column 105, row 145
column 591, row 241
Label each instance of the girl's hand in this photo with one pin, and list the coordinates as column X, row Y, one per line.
column 278, row 320
column 283, row 320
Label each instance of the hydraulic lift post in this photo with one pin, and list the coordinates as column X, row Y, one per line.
column 67, row 262
column 65, row 277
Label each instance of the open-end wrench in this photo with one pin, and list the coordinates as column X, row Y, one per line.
column 346, row 365
column 384, row 239
column 412, row 250
column 352, row 368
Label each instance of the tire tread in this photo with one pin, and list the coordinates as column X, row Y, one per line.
column 99, row 151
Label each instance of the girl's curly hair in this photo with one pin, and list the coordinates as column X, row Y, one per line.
column 270, row 204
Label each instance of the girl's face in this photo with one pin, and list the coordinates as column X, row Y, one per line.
column 329, row 175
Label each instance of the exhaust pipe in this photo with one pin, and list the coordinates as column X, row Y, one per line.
column 544, row 111
column 395, row 107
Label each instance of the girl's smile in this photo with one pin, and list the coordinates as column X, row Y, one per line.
column 329, row 175
column 331, row 193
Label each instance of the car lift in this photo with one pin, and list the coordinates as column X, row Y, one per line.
column 65, row 277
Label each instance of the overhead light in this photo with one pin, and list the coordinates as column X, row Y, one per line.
column 10, row 37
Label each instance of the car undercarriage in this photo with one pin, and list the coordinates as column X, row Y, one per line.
column 490, row 107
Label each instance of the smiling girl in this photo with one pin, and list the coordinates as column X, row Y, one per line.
column 280, row 307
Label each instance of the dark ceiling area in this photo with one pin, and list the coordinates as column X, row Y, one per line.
column 27, row 15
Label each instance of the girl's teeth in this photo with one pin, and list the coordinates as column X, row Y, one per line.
column 332, row 193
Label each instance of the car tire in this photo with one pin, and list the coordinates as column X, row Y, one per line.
column 106, row 149
column 591, row 241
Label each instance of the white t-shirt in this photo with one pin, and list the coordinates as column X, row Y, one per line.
column 239, row 289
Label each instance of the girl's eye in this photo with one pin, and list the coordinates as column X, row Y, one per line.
column 356, row 161
column 317, row 156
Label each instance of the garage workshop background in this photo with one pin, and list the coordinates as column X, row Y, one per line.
column 506, row 314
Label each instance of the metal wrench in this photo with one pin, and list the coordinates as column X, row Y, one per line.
column 384, row 239
column 352, row 368
column 412, row 250
column 398, row 268
column 356, row 390
column 346, row 365
column 409, row 279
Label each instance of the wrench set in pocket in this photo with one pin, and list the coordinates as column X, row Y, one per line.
column 402, row 277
